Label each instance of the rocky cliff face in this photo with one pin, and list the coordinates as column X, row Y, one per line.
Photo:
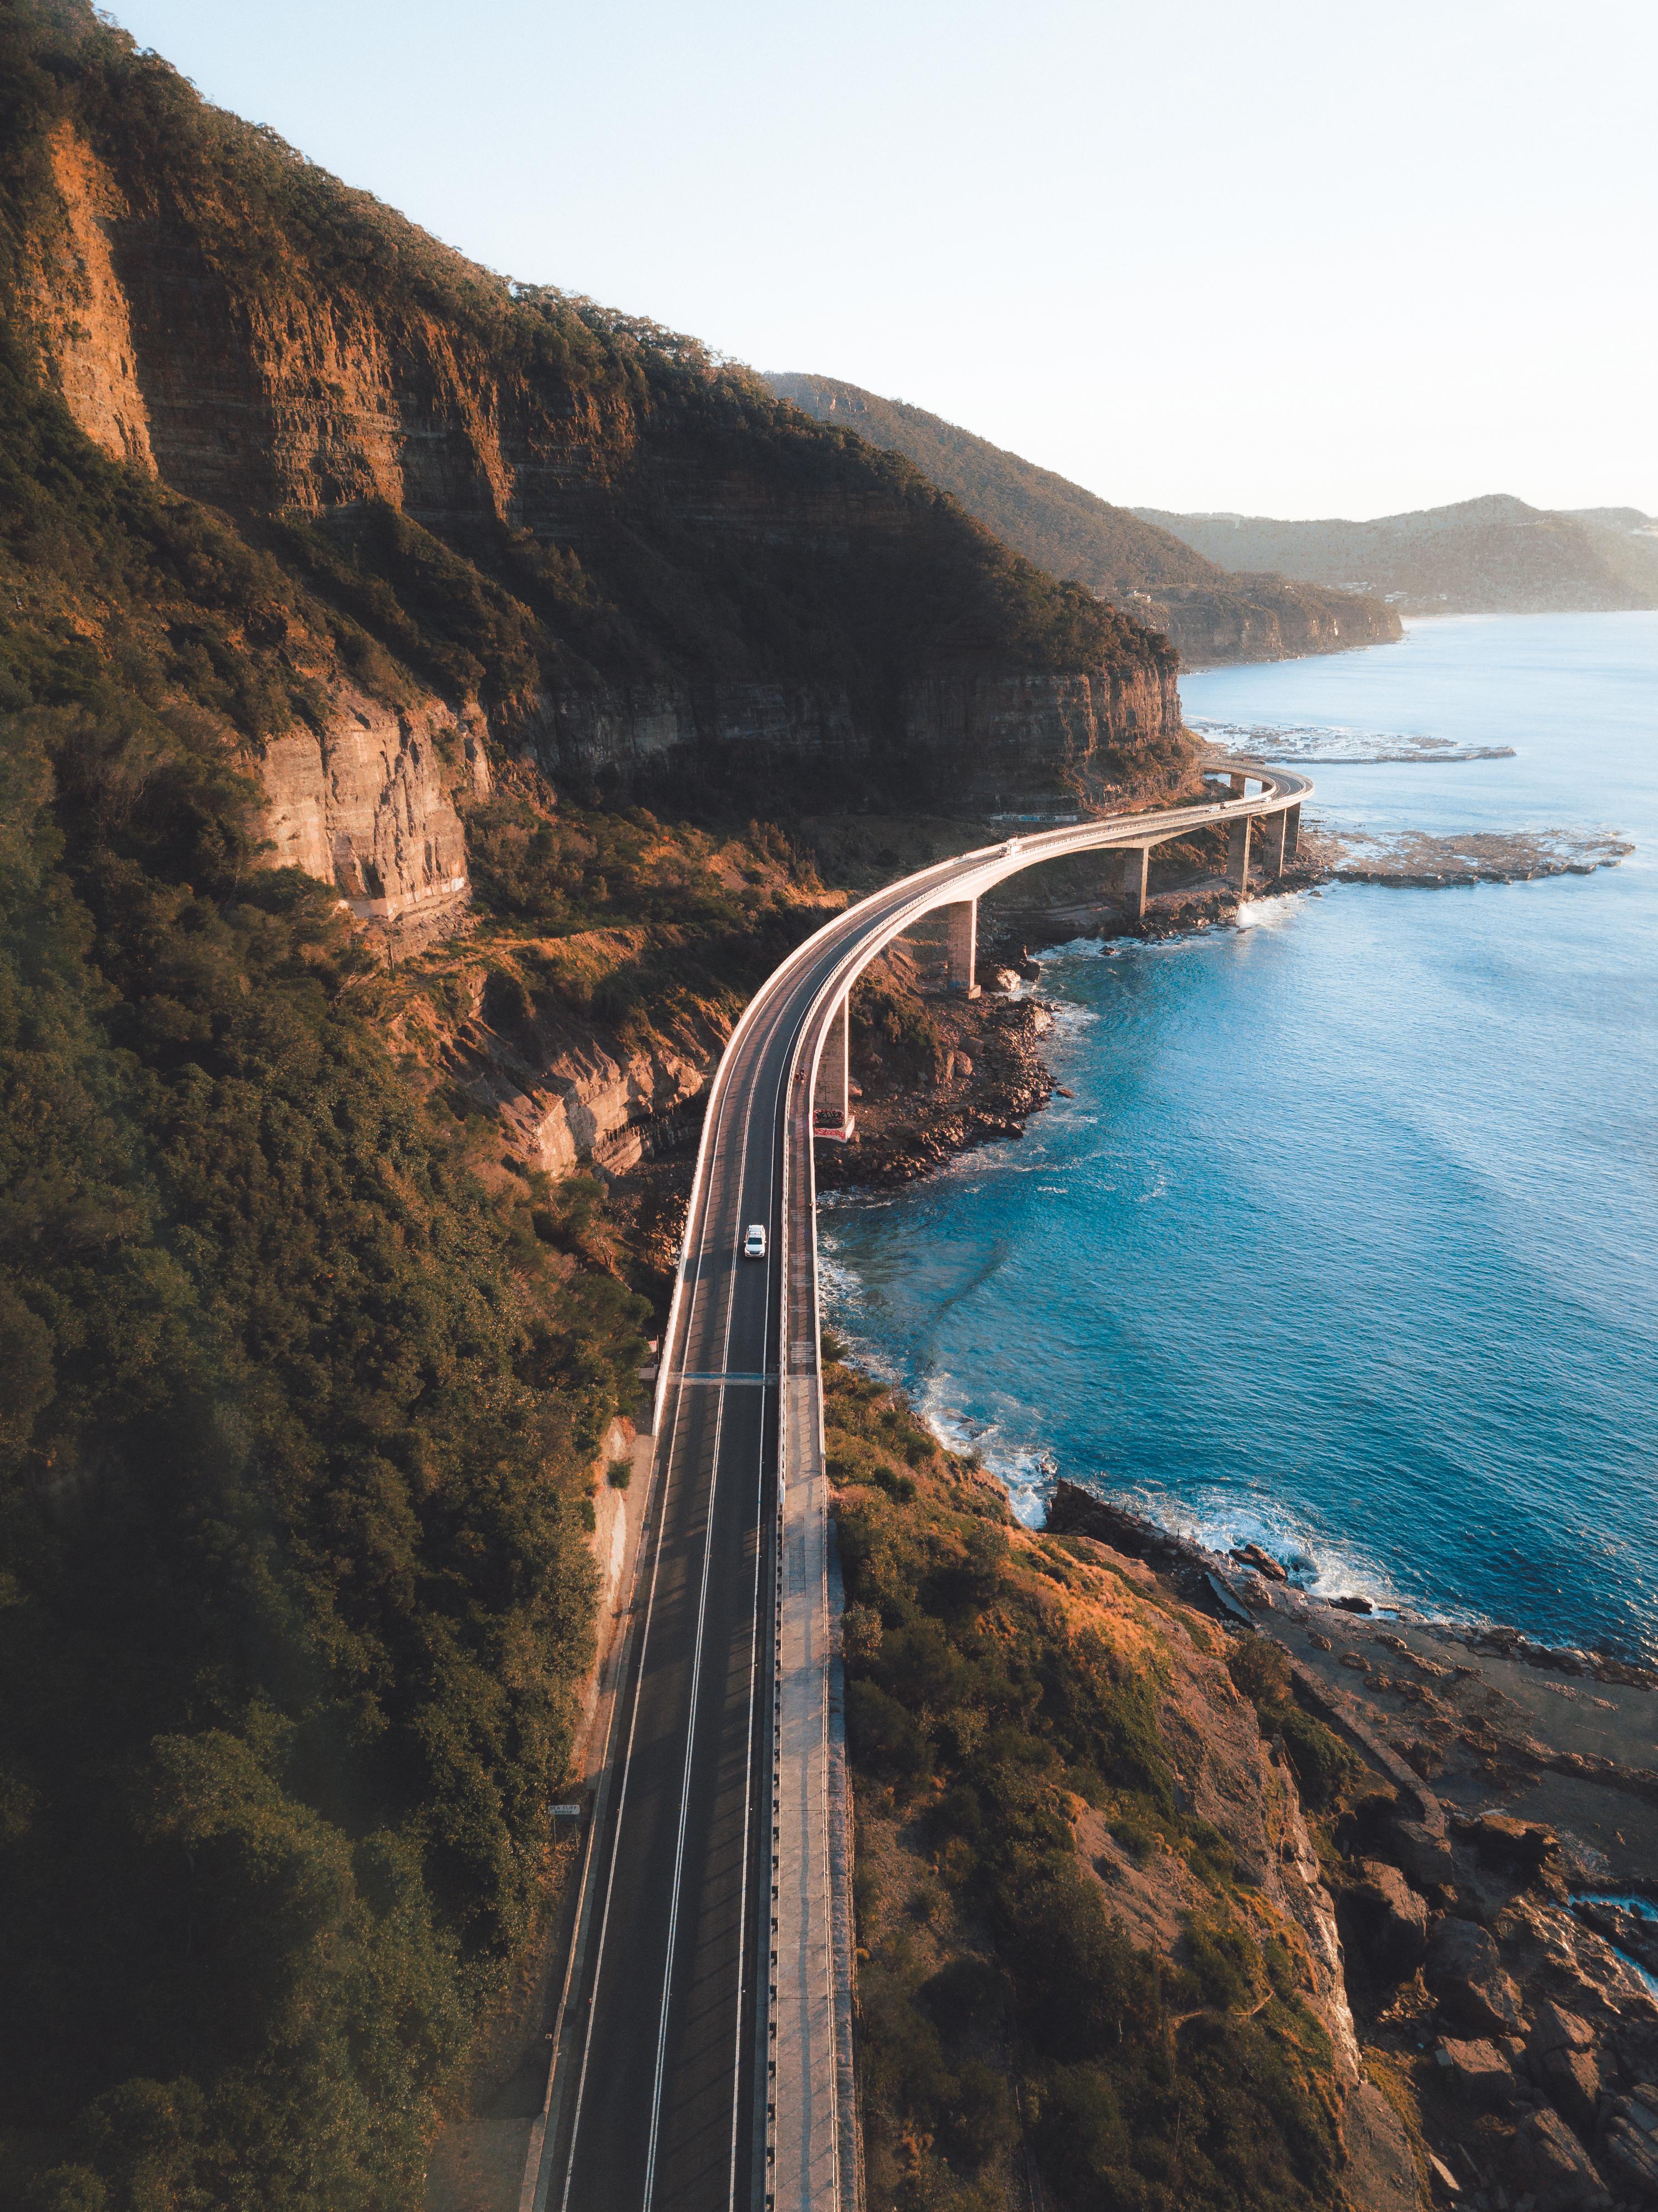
column 1040, row 735
column 566, row 1093
column 367, row 804
column 577, row 533
column 1263, row 618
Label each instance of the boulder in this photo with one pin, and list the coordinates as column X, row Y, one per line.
column 1425, row 1855
column 1630, row 2148
column 1252, row 1555
column 1380, row 2175
column 1464, row 1970
column 1631, row 1933
column 1352, row 1604
column 1478, row 2072
column 998, row 978
column 1572, row 2082
column 1635, row 2043
column 1554, row 2028
column 1501, row 1840
column 1558, row 2172
column 1395, row 1918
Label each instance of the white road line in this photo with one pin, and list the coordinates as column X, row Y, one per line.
column 696, row 1681
column 638, row 1684
column 779, row 1142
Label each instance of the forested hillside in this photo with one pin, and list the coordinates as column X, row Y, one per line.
column 1101, row 1966
column 1491, row 555
column 1209, row 614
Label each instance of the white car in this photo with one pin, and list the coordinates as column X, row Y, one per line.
column 1011, row 848
column 754, row 1243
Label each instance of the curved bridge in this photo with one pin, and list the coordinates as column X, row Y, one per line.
column 702, row 2057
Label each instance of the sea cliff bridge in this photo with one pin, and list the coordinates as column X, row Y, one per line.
column 702, row 2058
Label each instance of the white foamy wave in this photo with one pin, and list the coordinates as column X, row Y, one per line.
column 1080, row 948
column 1025, row 1469
column 1270, row 913
column 1316, row 1566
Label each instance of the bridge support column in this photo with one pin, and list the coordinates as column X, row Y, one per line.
column 1133, row 865
column 1237, row 783
column 1271, row 844
column 833, row 1096
column 1237, row 854
column 963, row 920
column 1292, row 833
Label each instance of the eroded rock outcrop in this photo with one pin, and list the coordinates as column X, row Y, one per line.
column 635, row 558
column 367, row 804
column 566, row 1091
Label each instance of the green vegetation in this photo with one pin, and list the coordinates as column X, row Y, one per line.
column 307, row 1398
column 1162, row 567
column 997, row 1691
column 295, row 1450
column 1068, row 531
column 1325, row 1770
column 892, row 1031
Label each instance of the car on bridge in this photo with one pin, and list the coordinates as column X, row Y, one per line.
column 754, row 1243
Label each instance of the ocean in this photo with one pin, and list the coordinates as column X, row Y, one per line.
column 1346, row 1243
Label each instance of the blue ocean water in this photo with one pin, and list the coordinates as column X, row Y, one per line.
column 1346, row 1243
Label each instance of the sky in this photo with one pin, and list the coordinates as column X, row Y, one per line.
column 1300, row 258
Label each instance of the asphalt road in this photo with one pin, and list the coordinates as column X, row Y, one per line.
column 660, row 2095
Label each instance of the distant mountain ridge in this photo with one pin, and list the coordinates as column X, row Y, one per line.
column 1494, row 555
column 1149, row 571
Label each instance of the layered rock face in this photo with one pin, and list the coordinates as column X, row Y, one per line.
column 658, row 567
column 1263, row 618
column 1037, row 736
column 367, row 805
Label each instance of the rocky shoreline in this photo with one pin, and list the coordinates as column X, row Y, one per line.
column 995, row 1078
column 1409, row 859
column 1488, row 1874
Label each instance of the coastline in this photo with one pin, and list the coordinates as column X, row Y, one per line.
column 913, row 1132
column 1505, row 1842
column 1490, row 1719
column 994, row 1078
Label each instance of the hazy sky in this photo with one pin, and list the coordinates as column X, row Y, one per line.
column 1301, row 257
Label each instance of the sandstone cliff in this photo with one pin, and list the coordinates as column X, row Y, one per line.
column 500, row 517
column 563, row 1090
column 367, row 803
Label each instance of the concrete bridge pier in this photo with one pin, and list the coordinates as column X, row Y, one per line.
column 1237, row 852
column 1133, row 867
column 962, row 919
column 1291, row 820
column 1273, row 830
column 833, row 1096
